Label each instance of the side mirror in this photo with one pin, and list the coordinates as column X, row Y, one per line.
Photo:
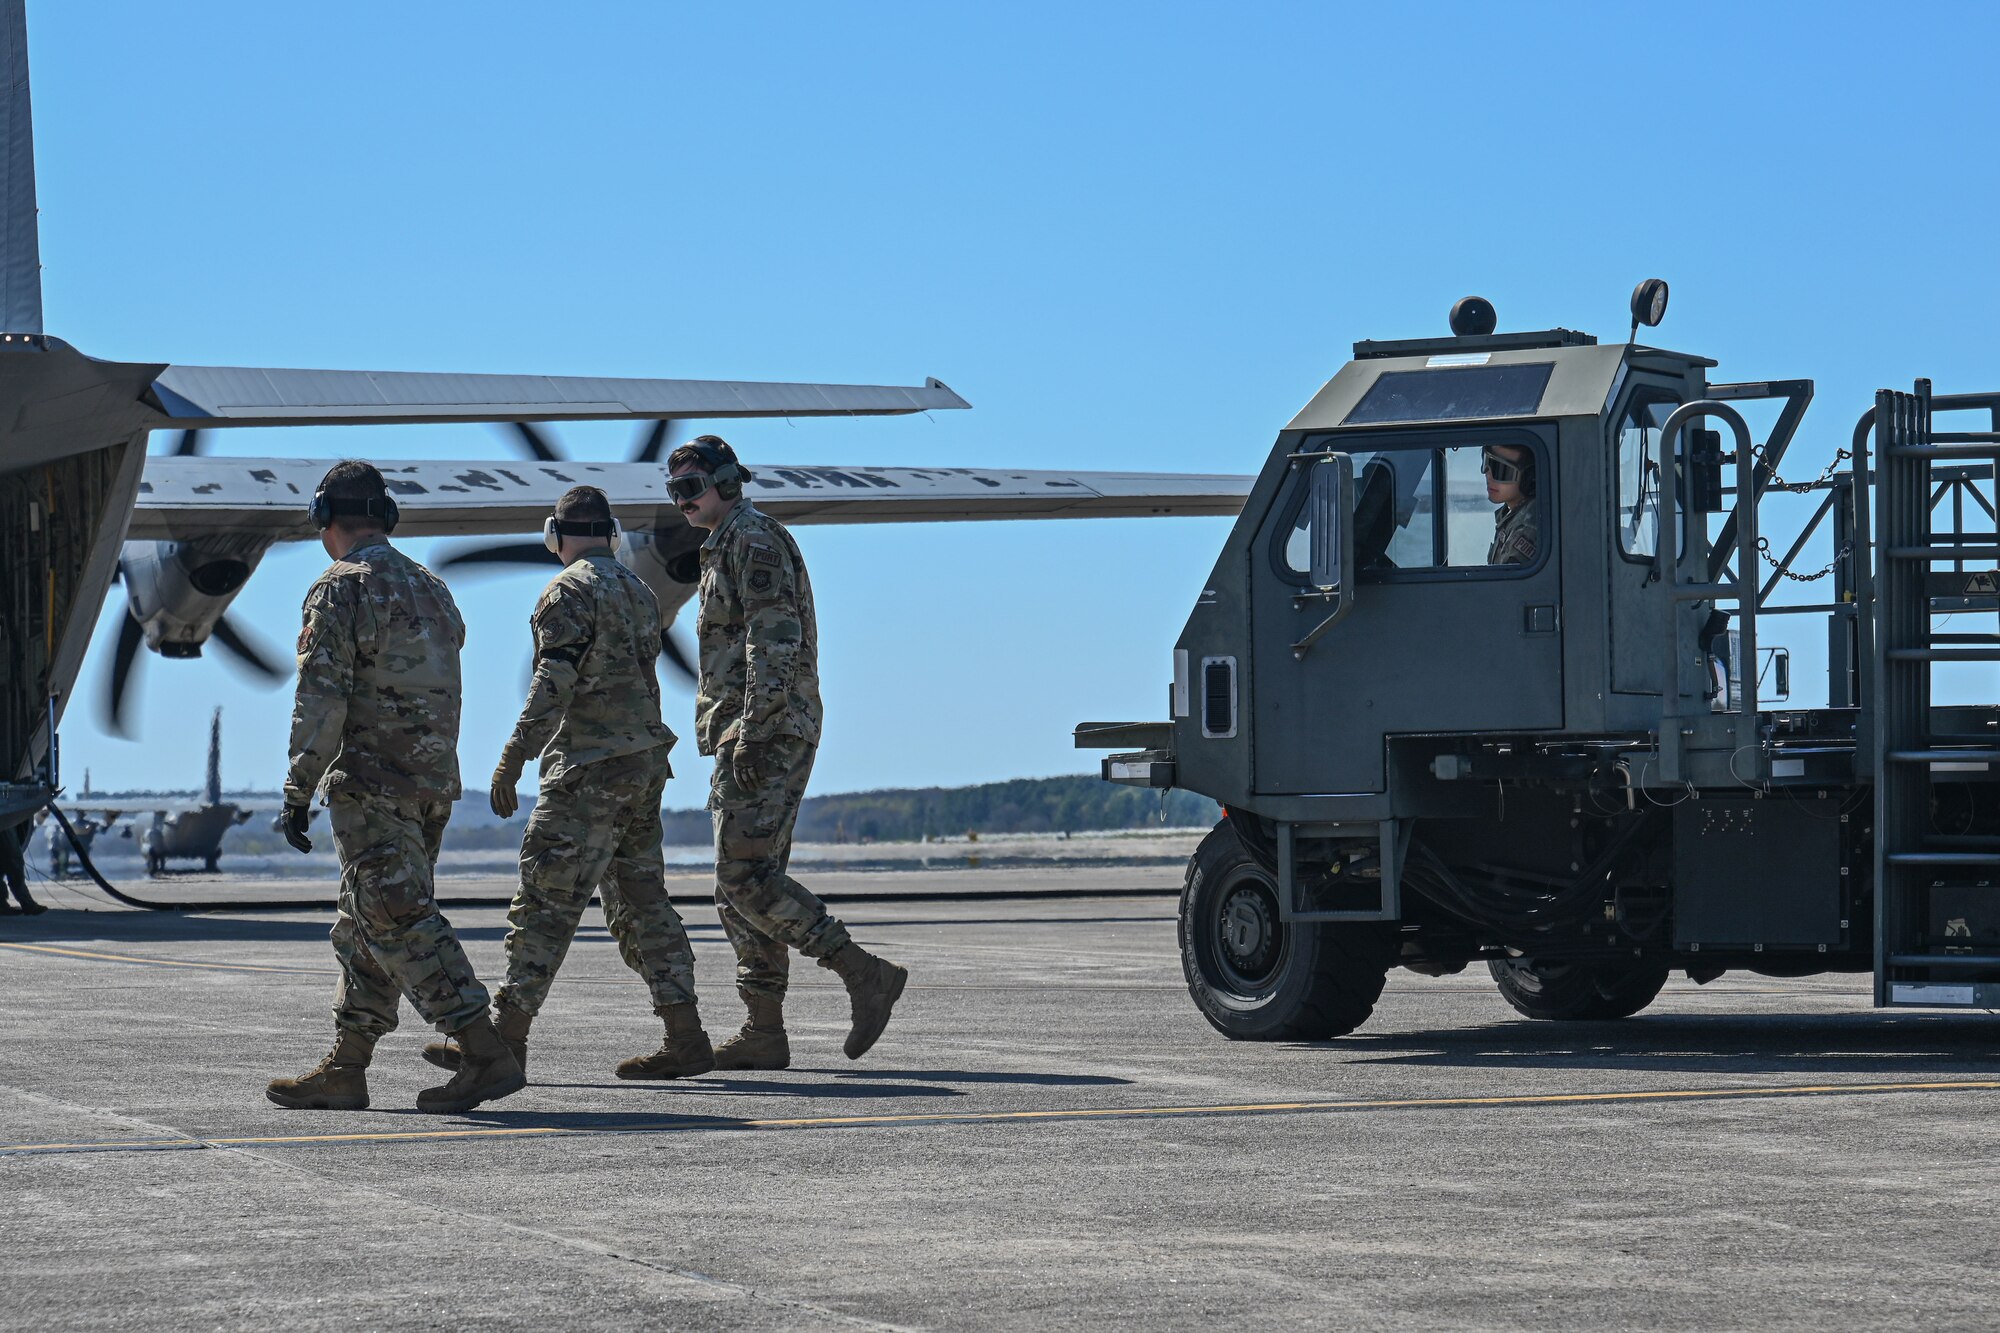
column 1330, row 560
column 1330, row 508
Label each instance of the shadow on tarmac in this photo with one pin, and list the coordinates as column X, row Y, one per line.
column 1874, row 1042
column 57, row 927
column 861, row 1083
column 501, row 1118
column 734, row 1087
column 990, row 1076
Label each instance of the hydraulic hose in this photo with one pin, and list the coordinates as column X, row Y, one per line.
column 1517, row 910
column 90, row 868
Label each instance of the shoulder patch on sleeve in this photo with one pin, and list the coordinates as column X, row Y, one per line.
column 765, row 555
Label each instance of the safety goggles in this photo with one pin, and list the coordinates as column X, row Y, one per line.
column 689, row 487
column 1499, row 467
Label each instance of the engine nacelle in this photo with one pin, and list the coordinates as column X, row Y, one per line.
column 179, row 590
column 669, row 560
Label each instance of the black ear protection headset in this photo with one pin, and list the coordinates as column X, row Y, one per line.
column 555, row 529
column 325, row 508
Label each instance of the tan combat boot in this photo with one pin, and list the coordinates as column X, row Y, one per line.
column 683, row 1054
column 337, row 1083
column 761, row 1044
column 509, row 1022
column 487, row 1070
column 873, row 987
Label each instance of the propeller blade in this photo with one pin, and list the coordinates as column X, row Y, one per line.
column 677, row 656
column 653, row 442
column 250, row 654
column 499, row 553
column 130, row 639
column 188, row 444
column 536, row 441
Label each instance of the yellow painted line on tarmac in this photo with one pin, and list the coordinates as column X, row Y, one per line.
column 162, row 962
column 693, row 1124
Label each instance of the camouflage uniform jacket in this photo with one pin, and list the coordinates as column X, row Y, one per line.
column 759, row 637
column 1516, row 535
column 378, row 695
column 595, row 694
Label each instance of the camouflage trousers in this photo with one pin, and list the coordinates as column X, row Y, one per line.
column 763, row 909
column 390, row 938
column 598, row 827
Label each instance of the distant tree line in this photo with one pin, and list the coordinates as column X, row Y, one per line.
column 1083, row 803
column 1079, row 804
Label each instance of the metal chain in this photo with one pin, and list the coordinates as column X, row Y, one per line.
column 1764, row 549
column 1778, row 483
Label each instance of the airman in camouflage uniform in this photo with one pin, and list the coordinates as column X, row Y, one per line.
column 375, row 728
column 1516, row 535
column 593, row 715
column 758, row 712
column 1510, row 483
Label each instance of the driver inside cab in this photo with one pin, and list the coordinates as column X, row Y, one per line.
column 1510, row 483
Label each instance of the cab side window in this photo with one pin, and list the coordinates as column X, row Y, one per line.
column 1414, row 510
column 1468, row 513
column 1641, row 470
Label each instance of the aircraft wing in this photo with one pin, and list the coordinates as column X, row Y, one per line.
column 139, row 807
column 256, row 805
column 209, row 396
column 183, row 497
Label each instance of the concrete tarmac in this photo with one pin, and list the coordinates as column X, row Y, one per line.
column 1049, row 1136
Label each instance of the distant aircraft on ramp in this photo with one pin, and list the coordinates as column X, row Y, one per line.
column 182, row 830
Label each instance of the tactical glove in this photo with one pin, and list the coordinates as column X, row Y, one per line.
column 746, row 764
column 502, row 797
column 293, row 824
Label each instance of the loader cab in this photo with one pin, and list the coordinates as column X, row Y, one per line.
column 1430, row 631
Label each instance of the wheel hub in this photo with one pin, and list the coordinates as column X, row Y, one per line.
column 1249, row 932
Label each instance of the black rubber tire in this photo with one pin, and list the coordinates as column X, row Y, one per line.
column 1577, row 992
column 1264, row 980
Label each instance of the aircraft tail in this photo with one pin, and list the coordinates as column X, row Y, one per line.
column 211, row 792
column 20, row 235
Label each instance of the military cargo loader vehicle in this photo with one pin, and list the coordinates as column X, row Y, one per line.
column 1576, row 768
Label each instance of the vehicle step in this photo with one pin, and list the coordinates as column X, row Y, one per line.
column 1944, row 756
column 1948, row 551
column 1944, row 654
column 1978, row 449
column 1981, row 585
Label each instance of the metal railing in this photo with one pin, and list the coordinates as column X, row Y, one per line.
column 1742, row 530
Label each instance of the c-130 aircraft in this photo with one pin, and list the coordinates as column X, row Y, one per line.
column 80, row 500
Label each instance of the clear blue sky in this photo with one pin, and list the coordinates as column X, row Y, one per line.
column 1136, row 237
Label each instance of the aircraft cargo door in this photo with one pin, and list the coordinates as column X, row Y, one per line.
column 1445, row 634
